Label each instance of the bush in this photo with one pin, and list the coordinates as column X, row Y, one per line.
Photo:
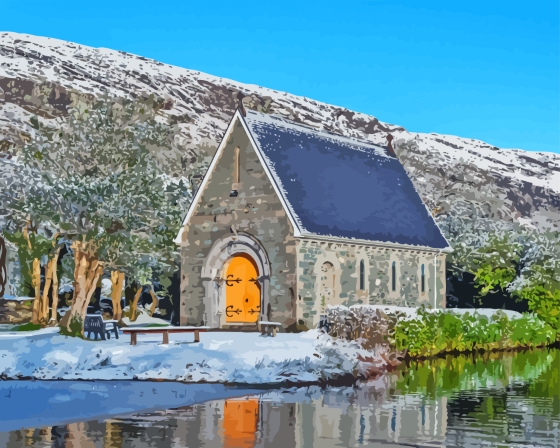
column 442, row 332
column 28, row 327
column 371, row 326
column 74, row 329
column 432, row 333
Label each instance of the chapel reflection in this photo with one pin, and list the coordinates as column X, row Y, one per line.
column 336, row 418
column 303, row 419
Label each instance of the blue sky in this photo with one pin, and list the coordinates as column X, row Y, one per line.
column 479, row 69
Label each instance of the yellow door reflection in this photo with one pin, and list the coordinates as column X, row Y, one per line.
column 240, row 422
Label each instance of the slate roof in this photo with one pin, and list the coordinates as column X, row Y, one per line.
column 342, row 187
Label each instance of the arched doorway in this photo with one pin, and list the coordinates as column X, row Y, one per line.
column 214, row 274
column 243, row 291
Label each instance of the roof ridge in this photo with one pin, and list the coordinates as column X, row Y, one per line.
column 353, row 140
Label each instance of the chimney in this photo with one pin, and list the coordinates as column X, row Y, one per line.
column 240, row 106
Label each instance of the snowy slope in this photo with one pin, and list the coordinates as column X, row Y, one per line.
column 42, row 76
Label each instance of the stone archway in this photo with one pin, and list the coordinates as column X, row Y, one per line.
column 213, row 276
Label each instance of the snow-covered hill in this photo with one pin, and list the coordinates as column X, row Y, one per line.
column 42, row 76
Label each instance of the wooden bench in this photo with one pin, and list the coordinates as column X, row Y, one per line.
column 134, row 331
column 269, row 327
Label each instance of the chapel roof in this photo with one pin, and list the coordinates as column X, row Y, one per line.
column 336, row 186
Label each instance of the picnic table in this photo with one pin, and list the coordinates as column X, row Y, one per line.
column 134, row 331
column 94, row 324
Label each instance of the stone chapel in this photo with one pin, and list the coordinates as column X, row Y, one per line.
column 289, row 220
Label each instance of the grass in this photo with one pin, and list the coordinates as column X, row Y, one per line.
column 28, row 327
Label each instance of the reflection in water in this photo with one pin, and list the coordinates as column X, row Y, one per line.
column 498, row 400
column 240, row 418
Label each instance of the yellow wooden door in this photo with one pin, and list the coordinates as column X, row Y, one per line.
column 243, row 293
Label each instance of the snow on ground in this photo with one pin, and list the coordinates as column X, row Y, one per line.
column 143, row 320
column 18, row 335
column 226, row 357
column 18, row 298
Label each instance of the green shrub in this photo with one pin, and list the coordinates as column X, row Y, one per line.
column 28, row 327
column 529, row 331
column 442, row 332
column 433, row 333
column 74, row 329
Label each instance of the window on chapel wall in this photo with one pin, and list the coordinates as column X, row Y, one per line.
column 394, row 276
column 327, row 285
column 362, row 275
column 237, row 165
column 423, row 280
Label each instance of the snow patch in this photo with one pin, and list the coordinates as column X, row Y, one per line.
column 224, row 357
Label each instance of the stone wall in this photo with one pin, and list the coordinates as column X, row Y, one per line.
column 258, row 215
column 345, row 258
column 15, row 311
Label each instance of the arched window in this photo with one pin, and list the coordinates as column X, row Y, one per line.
column 394, row 276
column 362, row 275
column 423, row 280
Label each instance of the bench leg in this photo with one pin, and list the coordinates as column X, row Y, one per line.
column 133, row 339
column 166, row 337
column 263, row 329
column 196, row 336
column 274, row 332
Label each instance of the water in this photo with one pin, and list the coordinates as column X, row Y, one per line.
column 505, row 400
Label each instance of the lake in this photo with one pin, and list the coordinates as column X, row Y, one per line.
column 497, row 400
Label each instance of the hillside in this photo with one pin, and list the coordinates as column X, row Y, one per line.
column 42, row 76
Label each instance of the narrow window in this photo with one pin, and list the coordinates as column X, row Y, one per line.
column 423, row 281
column 362, row 275
column 327, row 288
column 394, row 276
column 237, row 164
column 235, row 184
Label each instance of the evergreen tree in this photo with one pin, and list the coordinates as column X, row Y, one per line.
column 105, row 171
